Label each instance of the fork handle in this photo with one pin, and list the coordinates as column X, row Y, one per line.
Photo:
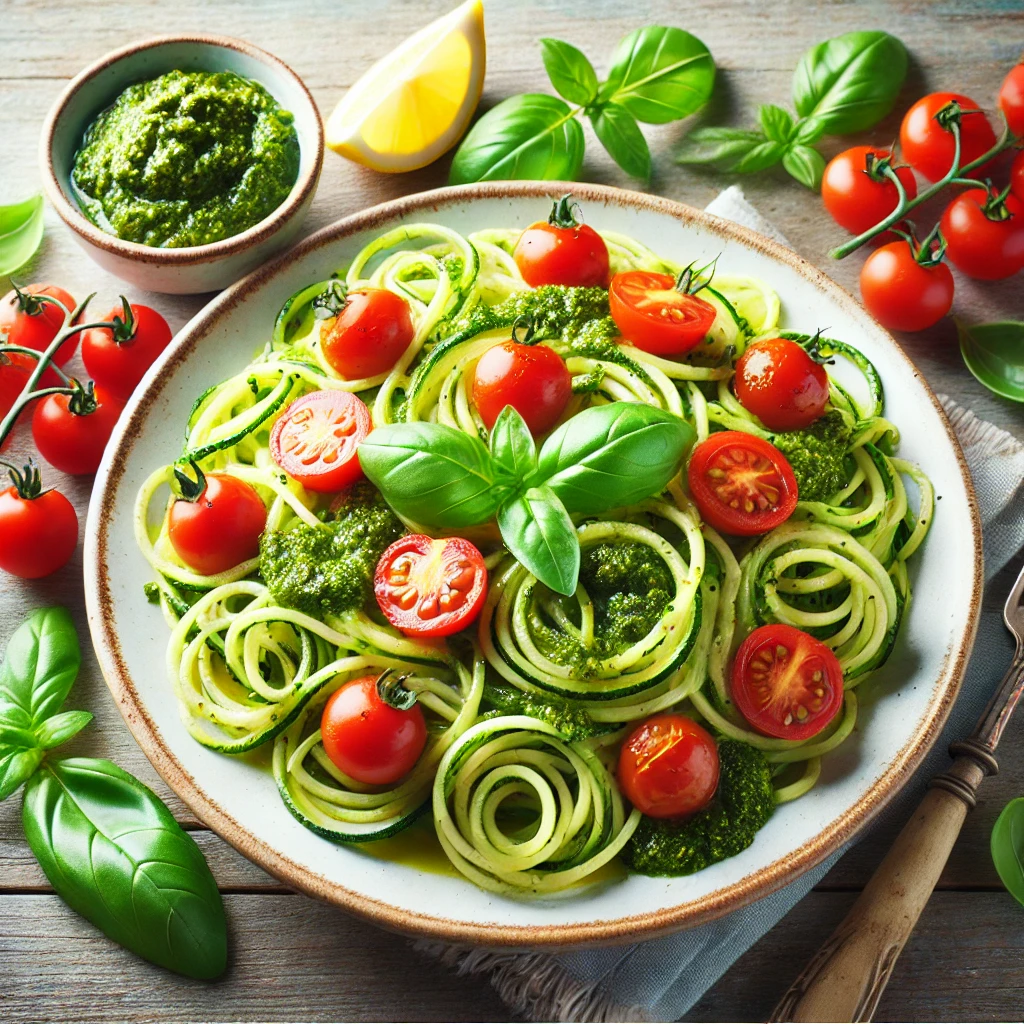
column 846, row 978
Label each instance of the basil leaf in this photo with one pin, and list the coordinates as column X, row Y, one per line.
column 806, row 164
column 994, row 353
column 732, row 149
column 808, row 130
column 1007, row 846
column 759, row 158
column 21, row 231
column 433, row 474
column 533, row 136
column 618, row 132
column 851, row 82
column 572, row 75
column 41, row 663
column 613, row 455
column 536, row 528
column 61, row 728
column 512, row 444
column 114, row 853
column 659, row 75
column 776, row 123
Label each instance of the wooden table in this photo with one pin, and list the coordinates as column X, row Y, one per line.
column 292, row 958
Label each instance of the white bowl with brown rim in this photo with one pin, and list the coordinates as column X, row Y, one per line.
column 906, row 702
column 201, row 268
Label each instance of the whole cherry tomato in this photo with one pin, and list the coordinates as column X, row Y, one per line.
column 370, row 332
column 786, row 683
column 217, row 523
column 71, row 432
column 13, row 378
column 33, row 324
column 38, row 529
column 781, row 384
column 657, row 316
column 371, row 740
column 668, row 767
column 741, row 483
column 1017, row 176
column 562, row 251
column 928, row 147
column 430, row 587
column 533, row 379
column 119, row 358
column 903, row 293
column 856, row 190
column 1011, row 99
column 985, row 234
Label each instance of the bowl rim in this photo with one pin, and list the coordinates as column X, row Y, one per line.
column 752, row 887
column 301, row 191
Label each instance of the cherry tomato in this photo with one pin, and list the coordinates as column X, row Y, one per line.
column 781, row 384
column 900, row 293
column 13, row 378
column 70, row 441
column 1017, row 176
column 928, row 147
column 428, row 587
column 37, row 535
column 858, row 198
column 562, row 251
column 656, row 317
column 35, row 325
column 786, row 683
column 317, row 438
column 668, row 767
column 368, row 739
column 1011, row 99
column 369, row 334
column 985, row 245
column 531, row 378
column 119, row 364
column 220, row 528
column 741, row 483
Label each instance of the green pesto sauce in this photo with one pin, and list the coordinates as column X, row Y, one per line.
column 817, row 456
column 186, row 159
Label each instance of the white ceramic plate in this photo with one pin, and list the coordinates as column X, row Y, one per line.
column 910, row 696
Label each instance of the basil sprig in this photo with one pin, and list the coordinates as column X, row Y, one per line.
column 1007, row 848
column 840, row 86
column 111, row 850
column 994, row 353
column 603, row 458
column 658, row 74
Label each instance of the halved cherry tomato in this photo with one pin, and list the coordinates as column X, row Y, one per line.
column 533, row 379
column 366, row 338
column 786, row 683
column 118, row 359
column 317, row 438
column 928, row 147
column 220, row 528
column 984, row 235
column 562, row 251
column 655, row 316
column 428, row 587
column 1011, row 99
column 37, row 535
column 859, row 197
column 668, row 767
column 781, row 384
column 70, row 441
column 741, row 483
column 367, row 738
column 35, row 325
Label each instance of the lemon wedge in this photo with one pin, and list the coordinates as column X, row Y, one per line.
column 415, row 103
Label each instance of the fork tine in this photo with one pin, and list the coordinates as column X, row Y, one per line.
column 1013, row 611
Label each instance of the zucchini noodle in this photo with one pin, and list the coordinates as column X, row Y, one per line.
column 523, row 807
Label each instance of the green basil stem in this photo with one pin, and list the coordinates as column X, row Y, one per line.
column 955, row 175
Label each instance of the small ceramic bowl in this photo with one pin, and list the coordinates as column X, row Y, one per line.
column 201, row 268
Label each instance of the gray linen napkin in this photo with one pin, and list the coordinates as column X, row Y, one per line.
column 663, row 978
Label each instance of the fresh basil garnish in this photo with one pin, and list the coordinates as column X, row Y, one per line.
column 21, row 231
column 805, row 164
column 1007, row 846
column 571, row 73
column 994, row 353
column 537, row 529
column 114, row 853
column 618, row 132
column 513, row 445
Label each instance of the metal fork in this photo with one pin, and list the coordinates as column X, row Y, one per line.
column 846, row 978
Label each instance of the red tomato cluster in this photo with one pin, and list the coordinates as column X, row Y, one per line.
column 906, row 285
column 39, row 529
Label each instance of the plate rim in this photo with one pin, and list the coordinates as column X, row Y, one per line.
column 755, row 886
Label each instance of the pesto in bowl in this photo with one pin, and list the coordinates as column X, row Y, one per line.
column 186, row 159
